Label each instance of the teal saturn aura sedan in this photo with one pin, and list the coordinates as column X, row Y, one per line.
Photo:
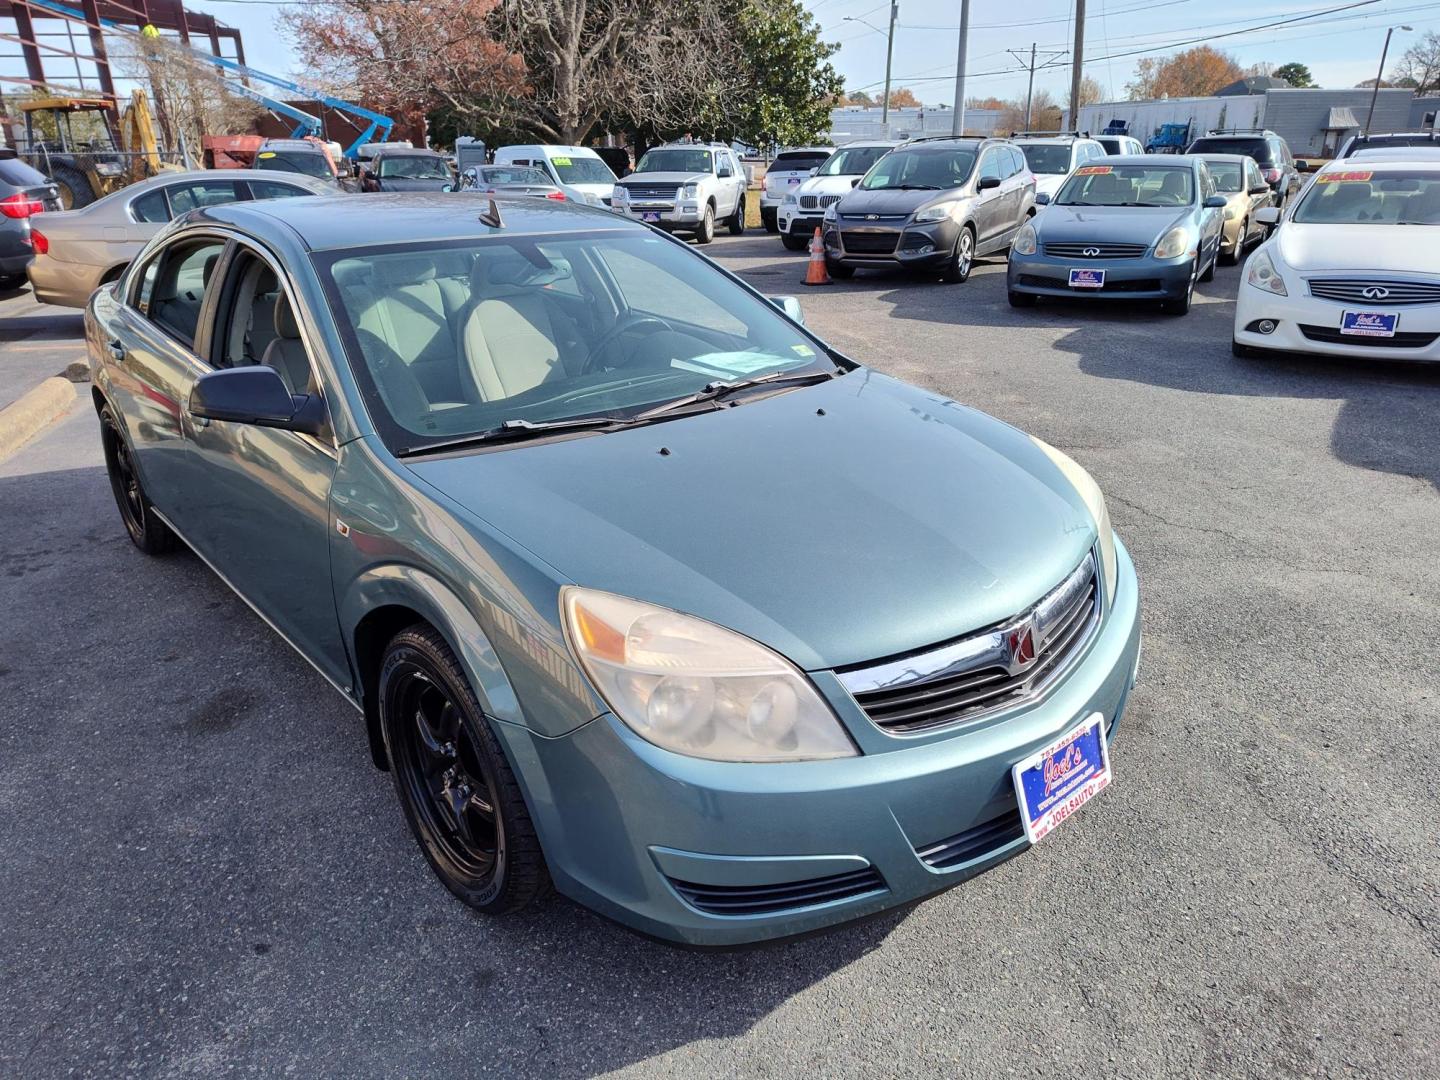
column 643, row 591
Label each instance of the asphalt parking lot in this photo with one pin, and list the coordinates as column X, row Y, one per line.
column 202, row 874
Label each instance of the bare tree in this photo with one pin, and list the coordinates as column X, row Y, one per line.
column 191, row 99
column 1419, row 66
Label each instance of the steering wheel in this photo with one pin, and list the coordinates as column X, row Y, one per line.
column 630, row 321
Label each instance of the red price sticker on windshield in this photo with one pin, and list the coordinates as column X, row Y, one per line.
column 1092, row 170
column 1344, row 177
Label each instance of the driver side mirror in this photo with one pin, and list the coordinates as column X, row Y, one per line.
column 855, row 182
column 1214, row 202
column 1042, row 199
column 1268, row 215
column 255, row 395
column 725, row 172
column 790, row 306
column 987, row 182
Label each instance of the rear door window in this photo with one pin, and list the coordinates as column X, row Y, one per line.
column 151, row 208
column 269, row 189
column 173, row 286
column 200, row 193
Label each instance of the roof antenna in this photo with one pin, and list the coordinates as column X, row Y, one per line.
column 491, row 216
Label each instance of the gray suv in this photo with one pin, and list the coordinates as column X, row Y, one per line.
column 931, row 204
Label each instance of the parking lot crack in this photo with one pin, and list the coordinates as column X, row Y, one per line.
column 1187, row 526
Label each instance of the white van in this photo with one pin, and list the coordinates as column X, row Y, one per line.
column 577, row 170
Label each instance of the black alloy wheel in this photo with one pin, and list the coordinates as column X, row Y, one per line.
column 147, row 531
column 459, row 795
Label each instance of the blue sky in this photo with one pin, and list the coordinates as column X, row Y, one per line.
column 1341, row 49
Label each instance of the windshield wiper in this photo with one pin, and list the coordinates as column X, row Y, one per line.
column 718, row 391
column 519, row 430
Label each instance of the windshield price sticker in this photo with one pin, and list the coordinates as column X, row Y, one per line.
column 1344, row 177
column 559, row 161
column 1093, row 170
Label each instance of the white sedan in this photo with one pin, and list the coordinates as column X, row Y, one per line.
column 1351, row 270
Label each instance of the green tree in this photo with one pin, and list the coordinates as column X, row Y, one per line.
column 787, row 83
column 1296, row 74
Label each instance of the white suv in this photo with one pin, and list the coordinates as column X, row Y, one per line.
column 686, row 187
column 802, row 211
column 787, row 172
column 1052, row 156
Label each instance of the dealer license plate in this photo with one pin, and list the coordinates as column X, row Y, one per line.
column 1368, row 323
column 1056, row 781
column 1087, row 279
column 649, row 217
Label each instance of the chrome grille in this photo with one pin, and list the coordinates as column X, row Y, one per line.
column 648, row 192
column 1097, row 251
column 818, row 202
column 980, row 674
column 1382, row 293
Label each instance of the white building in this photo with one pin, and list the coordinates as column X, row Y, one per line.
column 849, row 123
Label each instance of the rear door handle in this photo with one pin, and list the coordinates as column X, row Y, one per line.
column 117, row 351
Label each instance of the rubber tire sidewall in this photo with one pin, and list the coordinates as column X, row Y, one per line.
column 954, row 274
column 1020, row 299
column 521, row 876
column 736, row 221
column 150, row 534
column 705, row 231
column 839, row 270
column 794, row 243
column 76, row 182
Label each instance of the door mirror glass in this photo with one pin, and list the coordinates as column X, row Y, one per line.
column 790, row 306
column 1268, row 215
column 1042, row 199
column 250, row 395
column 988, row 182
column 1214, row 202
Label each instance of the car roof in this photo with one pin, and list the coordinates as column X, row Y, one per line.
column 342, row 221
column 1222, row 157
column 1162, row 161
column 1377, row 162
column 862, row 143
column 805, row 150
column 1397, row 153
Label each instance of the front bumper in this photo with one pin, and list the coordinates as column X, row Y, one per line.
column 793, row 220
column 1305, row 324
column 921, row 247
column 1125, row 279
column 683, row 214
column 623, row 821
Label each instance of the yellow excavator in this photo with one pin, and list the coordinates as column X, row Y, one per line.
column 81, row 158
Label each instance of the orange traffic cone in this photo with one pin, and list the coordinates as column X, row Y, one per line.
column 815, row 273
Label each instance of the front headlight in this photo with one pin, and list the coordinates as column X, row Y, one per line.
column 689, row 191
column 830, row 212
column 1173, row 244
column 1025, row 243
column 1260, row 271
column 696, row 688
column 938, row 212
column 1094, row 499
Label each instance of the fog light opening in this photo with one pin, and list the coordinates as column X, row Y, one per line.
column 1263, row 326
column 925, row 249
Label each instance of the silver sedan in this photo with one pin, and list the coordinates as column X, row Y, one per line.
column 77, row 251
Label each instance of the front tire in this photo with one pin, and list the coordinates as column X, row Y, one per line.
column 460, row 797
column 839, row 271
column 12, row 281
column 957, row 270
column 705, row 232
column 736, row 221
column 1021, row 299
column 1181, row 304
column 794, row 243
column 147, row 531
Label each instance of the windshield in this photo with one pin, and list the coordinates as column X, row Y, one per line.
column 681, row 161
column 852, row 162
column 797, row 162
column 1051, row 159
column 455, row 340
column 1229, row 175
column 413, row 167
column 582, row 170
column 1367, row 197
column 1128, row 185
column 514, row 174
column 294, row 161
column 936, row 169
column 1259, row 149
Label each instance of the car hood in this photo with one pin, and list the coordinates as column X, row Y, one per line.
column 1112, row 224
column 838, row 524
column 664, row 178
column 1391, row 248
column 859, row 201
column 828, row 185
column 1049, row 183
column 401, row 183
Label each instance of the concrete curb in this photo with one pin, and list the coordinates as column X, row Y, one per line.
column 32, row 412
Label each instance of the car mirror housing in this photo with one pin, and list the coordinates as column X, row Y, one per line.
column 790, row 306
column 1042, row 199
column 1268, row 215
column 724, row 172
column 1214, row 202
column 856, row 181
column 987, row 182
column 255, row 395
column 1260, row 189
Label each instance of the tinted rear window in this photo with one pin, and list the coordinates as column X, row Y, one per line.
column 790, row 162
column 1259, row 149
column 19, row 174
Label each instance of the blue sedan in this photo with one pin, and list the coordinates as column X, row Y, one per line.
column 642, row 591
column 1133, row 228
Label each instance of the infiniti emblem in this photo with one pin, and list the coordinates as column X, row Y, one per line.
column 1374, row 292
column 1091, row 252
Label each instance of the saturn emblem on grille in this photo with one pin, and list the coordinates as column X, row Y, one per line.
column 1374, row 292
column 1091, row 252
column 1021, row 640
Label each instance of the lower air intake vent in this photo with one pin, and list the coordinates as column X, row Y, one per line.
column 770, row 899
column 974, row 843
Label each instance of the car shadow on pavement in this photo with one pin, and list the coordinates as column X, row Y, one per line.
column 232, row 876
column 1386, row 420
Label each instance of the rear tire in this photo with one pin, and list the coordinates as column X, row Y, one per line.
column 1021, row 299
column 74, row 187
column 768, row 219
column 736, row 221
column 147, row 531
column 706, row 230
column 794, row 243
column 459, row 795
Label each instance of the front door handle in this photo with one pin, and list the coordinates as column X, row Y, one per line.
column 117, row 351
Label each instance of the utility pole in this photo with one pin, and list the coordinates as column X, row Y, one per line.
column 889, row 53
column 1050, row 58
column 1379, row 75
column 957, row 121
column 1077, row 65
